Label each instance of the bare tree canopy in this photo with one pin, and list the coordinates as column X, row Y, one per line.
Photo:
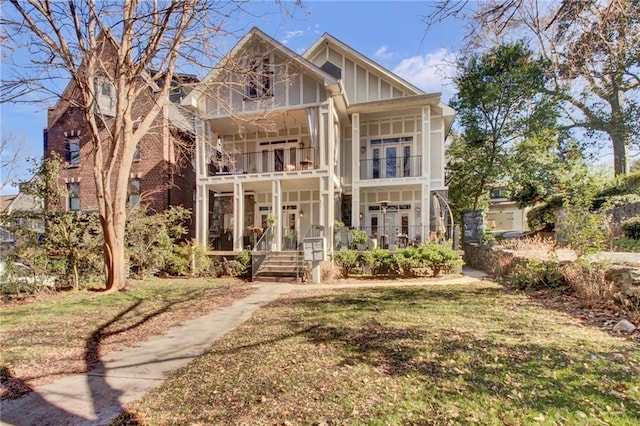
column 594, row 51
column 130, row 49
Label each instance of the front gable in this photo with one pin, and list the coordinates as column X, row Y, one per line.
column 363, row 79
column 260, row 74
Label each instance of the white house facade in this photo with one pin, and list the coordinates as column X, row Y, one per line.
column 302, row 141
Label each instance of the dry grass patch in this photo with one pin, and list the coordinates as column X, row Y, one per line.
column 66, row 334
column 421, row 355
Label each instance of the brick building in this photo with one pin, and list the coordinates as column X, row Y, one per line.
column 162, row 173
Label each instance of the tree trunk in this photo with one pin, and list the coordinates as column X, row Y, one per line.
column 114, row 255
column 620, row 154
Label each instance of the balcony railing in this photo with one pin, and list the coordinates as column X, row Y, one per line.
column 394, row 237
column 390, row 167
column 276, row 160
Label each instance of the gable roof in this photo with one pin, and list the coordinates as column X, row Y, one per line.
column 254, row 33
column 327, row 38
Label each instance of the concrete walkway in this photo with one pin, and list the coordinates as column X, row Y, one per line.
column 97, row 397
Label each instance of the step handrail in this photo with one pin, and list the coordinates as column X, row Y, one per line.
column 261, row 251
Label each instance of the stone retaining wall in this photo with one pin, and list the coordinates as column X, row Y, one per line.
column 499, row 262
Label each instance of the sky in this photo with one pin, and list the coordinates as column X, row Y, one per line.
column 392, row 34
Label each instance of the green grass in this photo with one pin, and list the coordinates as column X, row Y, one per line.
column 428, row 355
column 53, row 336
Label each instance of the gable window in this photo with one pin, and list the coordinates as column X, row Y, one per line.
column 72, row 151
column 134, row 192
column 73, row 196
column 105, row 97
column 331, row 69
column 136, row 154
column 259, row 79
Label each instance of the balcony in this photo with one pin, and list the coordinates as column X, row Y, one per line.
column 272, row 161
column 390, row 167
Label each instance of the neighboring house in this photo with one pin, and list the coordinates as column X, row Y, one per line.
column 505, row 215
column 313, row 138
column 162, row 173
column 10, row 208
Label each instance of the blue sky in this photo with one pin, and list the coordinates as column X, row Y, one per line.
column 391, row 33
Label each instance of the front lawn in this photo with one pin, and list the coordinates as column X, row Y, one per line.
column 63, row 334
column 390, row 356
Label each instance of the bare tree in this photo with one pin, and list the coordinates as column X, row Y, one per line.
column 10, row 158
column 119, row 44
column 594, row 51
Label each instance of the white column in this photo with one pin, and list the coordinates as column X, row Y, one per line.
column 425, row 206
column 425, row 143
column 238, row 216
column 355, row 170
column 276, row 205
column 202, row 215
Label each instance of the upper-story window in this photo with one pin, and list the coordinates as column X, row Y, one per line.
column 259, row 79
column 72, row 151
column 136, row 153
column 105, row 96
column 73, row 196
column 134, row 192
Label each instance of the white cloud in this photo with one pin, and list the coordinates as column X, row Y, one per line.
column 291, row 34
column 384, row 54
column 432, row 72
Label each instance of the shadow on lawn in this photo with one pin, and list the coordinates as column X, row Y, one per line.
column 33, row 408
column 519, row 376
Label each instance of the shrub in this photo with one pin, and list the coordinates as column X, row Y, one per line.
column 621, row 185
column 535, row 242
column 346, row 260
column 631, row 228
column 358, row 237
column 535, row 274
column 188, row 259
column 542, row 216
column 380, row 262
column 626, row 244
column 240, row 266
column 150, row 238
column 588, row 281
column 438, row 258
column 408, row 261
column 583, row 230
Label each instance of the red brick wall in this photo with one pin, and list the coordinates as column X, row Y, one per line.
column 161, row 180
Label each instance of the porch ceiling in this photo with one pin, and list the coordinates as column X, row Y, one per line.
column 261, row 186
column 268, row 121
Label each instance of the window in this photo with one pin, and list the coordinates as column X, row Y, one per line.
column 134, row 192
column 259, row 79
column 73, row 196
column 136, row 154
column 72, row 154
column 105, row 97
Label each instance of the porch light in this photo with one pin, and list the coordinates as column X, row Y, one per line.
column 363, row 149
column 301, row 214
column 383, row 206
column 361, row 215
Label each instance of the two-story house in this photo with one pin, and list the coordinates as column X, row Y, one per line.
column 314, row 138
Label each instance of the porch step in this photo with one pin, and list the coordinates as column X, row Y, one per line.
column 278, row 266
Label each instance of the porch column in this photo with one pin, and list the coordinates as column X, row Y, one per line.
column 327, row 209
column 425, row 210
column 323, row 136
column 355, row 171
column 276, row 205
column 202, row 219
column 425, row 143
column 238, row 216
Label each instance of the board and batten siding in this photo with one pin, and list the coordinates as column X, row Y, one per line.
column 361, row 82
column 291, row 87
